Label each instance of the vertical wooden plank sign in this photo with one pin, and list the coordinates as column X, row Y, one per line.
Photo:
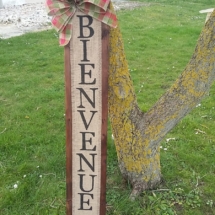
column 84, row 32
column 86, row 77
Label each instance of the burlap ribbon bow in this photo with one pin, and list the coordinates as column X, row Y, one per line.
column 63, row 11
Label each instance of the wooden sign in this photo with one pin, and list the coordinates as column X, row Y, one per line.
column 86, row 78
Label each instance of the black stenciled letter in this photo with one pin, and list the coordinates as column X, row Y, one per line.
column 83, row 73
column 91, row 101
column 84, row 141
column 84, row 50
column 87, row 26
column 82, row 182
column 86, row 125
column 82, row 202
column 91, row 166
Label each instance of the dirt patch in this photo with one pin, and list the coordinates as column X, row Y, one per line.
column 20, row 19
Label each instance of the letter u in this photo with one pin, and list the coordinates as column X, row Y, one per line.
column 86, row 182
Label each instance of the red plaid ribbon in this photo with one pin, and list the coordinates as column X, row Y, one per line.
column 63, row 11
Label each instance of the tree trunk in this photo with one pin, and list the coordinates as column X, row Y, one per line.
column 136, row 134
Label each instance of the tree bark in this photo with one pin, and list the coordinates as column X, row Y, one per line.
column 136, row 134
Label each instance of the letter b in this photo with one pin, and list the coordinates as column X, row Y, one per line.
column 85, row 33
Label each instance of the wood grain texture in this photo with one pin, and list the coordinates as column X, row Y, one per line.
column 105, row 69
column 68, row 106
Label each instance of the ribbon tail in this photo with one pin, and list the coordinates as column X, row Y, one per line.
column 65, row 35
column 109, row 18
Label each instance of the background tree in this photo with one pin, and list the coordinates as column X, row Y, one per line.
column 137, row 135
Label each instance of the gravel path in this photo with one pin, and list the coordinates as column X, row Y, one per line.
column 18, row 19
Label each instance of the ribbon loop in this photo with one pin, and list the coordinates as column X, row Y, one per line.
column 63, row 11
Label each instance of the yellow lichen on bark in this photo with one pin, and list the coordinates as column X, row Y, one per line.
column 137, row 135
column 133, row 152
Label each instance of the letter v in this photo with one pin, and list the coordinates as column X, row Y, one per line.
column 84, row 119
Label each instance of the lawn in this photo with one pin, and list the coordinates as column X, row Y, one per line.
column 159, row 40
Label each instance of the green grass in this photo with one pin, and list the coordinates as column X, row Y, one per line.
column 159, row 41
